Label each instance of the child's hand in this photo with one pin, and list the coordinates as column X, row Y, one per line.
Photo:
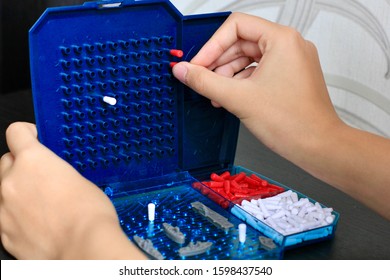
column 48, row 210
column 283, row 100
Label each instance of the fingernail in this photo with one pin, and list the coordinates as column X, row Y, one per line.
column 180, row 71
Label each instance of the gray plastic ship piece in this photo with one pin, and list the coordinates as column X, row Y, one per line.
column 267, row 243
column 193, row 249
column 212, row 216
column 174, row 233
column 147, row 246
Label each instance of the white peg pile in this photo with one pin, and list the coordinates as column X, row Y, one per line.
column 287, row 214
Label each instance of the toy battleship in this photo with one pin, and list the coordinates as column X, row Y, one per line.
column 215, row 218
column 147, row 246
column 267, row 243
column 193, row 249
column 174, row 233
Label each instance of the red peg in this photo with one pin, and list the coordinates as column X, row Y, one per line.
column 171, row 64
column 176, row 53
column 216, row 177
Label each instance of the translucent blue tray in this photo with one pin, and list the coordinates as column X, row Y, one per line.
column 173, row 196
column 288, row 241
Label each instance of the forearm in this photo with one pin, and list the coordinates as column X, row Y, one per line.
column 356, row 162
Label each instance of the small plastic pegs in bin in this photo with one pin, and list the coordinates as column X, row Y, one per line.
column 239, row 187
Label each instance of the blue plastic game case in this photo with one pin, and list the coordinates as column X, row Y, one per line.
column 80, row 54
column 157, row 137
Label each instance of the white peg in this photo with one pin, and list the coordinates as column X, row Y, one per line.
column 151, row 211
column 242, row 232
column 109, row 100
column 329, row 219
column 263, row 209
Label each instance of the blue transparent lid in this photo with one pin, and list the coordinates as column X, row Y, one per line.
column 105, row 98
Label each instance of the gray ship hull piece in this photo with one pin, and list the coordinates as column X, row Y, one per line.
column 267, row 243
column 215, row 218
column 174, row 233
column 147, row 246
column 193, row 249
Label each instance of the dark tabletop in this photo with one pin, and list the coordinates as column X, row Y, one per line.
column 360, row 233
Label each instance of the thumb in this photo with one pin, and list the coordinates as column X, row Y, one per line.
column 220, row 89
column 20, row 135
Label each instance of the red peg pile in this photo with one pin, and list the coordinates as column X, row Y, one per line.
column 236, row 188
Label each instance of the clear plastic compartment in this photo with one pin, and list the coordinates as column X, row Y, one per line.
column 287, row 240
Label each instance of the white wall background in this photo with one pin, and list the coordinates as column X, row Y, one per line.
column 353, row 40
